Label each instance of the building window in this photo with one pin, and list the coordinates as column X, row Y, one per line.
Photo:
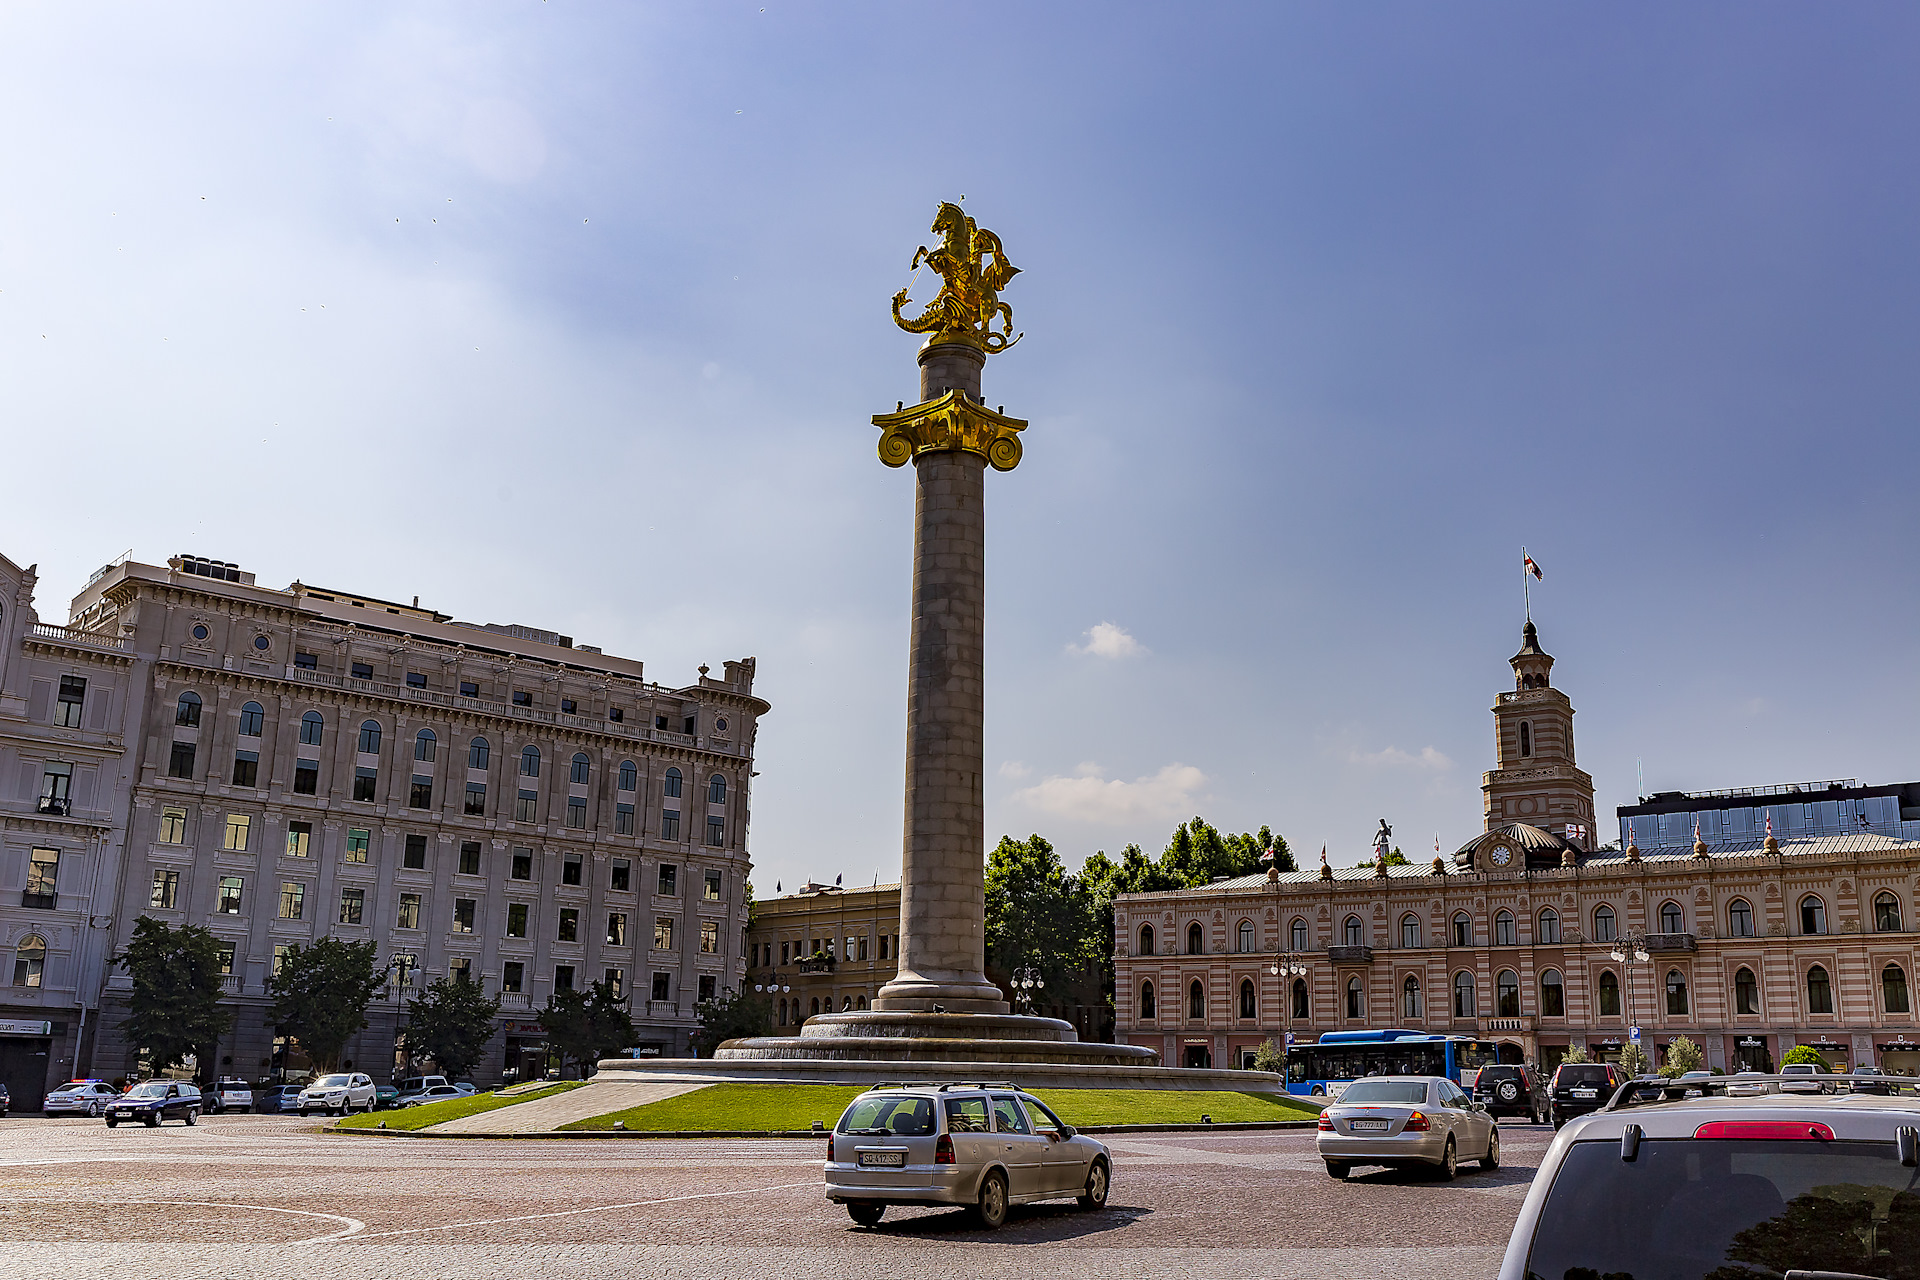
column 232, row 891
column 1195, row 942
column 293, row 900
column 1301, row 1004
column 670, row 786
column 370, row 738
column 180, row 763
column 623, row 819
column 563, row 977
column 710, row 938
column 173, row 826
column 426, row 744
column 1196, row 1001
column 408, row 916
column 669, row 879
column 513, row 975
column 522, row 698
column 29, row 961
column 1671, row 921
column 299, row 839
column 313, row 727
column 1146, row 939
column 1463, row 995
column 463, row 915
column 669, row 824
column 785, row 952
column 662, row 983
column 224, row 952
column 43, row 873
column 239, row 832
column 716, row 832
column 361, row 670
column 460, row 969
column 576, row 813
column 1463, row 930
column 567, row 706
column 1553, row 995
column 1246, row 937
column 416, row 680
column 1819, row 991
column 663, row 934
column 1297, row 934
column 1603, row 924
column 186, row 712
column 530, row 762
column 307, row 661
column 522, row 864
column 709, row 985
column 1813, row 915
column 582, row 768
column 1609, row 994
column 516, row 919
column 415, row 856
column 616, row 928
column 1410, row 997
column 620, row 878
column 282, row 952
column 420, row 794
column 476, row 799
column 1746, row 992
column 616, row 715
column 1409, row 930
column 166, row 887
column 525, row 805
column 1146, row 1000
column 1550, row 927
column 358, row 841
column 246, row 768
column 1356, row 999
column 253, row 720
column 710, row 885
column 1893, row 988
column 1503, row 929
column 73, row 695
column 405, row 964
column 1886, row 913
column 616, row 980
column 569, row 926
column 365, row 782
column 570, row 870
column 352, row 903
column 477, row 753
column 469, row 689
column 1676, row 994
column 629, row 776
column 1526, row 738
column 1354, row 934
column 1740, row 918
column 306, row 777
column 716, row 790
column 1247, row 1006
column 1506, row 994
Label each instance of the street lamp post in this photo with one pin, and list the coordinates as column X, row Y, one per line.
column 1287, row 966
column 1026, row 981
column 1628, row 952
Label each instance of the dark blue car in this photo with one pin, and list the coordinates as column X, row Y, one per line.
column 152, row 1101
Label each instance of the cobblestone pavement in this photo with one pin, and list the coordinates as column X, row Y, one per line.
column 271, row 1196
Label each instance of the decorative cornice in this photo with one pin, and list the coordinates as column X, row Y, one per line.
column 952, row 421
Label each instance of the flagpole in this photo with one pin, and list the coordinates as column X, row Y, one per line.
column 1526, row 583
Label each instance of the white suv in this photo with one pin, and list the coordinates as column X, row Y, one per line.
column 337, row 1094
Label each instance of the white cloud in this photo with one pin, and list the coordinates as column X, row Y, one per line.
column 1394, row 757
column 1087, row 796
column 1014, row 771
column 1107, row 640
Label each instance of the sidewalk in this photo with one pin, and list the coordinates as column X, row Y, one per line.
column 545, row 1114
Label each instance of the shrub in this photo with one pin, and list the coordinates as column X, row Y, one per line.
column 1805, row 1053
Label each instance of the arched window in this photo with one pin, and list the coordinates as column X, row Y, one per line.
column 1196, row 1000
column 1356, row 999
column 1410, row 930
column 253, row 720
column 783, row 1011
column 1813, row 915
column 860, row 1002
column 1746, row 992
column 478, row 753
column 530, row 762
column 1609, row 994
column 1740, row 918
column 313, row 727
column 1886, row 913
column 1893, row 988
column 370, row 737
column 426, row 744
column 1462, row 929
column 29, row 961
column 813, row 1006
column 1146, row 1000
column 1146, row 940
column 1503, row 928
column 1603, row 924
column 1352, row 930
column 187, row 710
column 582, row 767
column 1195, row 941
column 1463, row 994
column 1410, row 997
column 1526, row 739
column 1246, row 937
column 1671, row 920
column 1506, row 994
column 1676, row 993
column 1549, row 927
column 1247, row 1008
column 1553, row 994
column 629, row 776
column 1297, row 934
column 1819, row 991
column 1301, row 1005
column 670, row 785
column 716, row 790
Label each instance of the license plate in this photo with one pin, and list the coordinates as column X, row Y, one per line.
column 1367, row 1126
column 1586, row 1093
column 884, row 1159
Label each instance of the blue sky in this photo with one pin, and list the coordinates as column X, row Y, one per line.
column 575, row 315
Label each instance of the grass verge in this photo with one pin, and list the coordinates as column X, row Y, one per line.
column 452, row 1109
column 797, row 1106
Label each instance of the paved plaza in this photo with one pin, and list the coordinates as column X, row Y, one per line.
column 271, row 1196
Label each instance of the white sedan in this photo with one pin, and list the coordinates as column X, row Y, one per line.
column 433, row 1093
column 80, row 1097
column 337, row 1094
column 1403, row 1121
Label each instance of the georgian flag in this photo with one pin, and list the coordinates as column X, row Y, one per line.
column 1576, row 831
column 1532, row 568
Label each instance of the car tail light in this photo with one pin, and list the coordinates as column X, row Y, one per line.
column 1326, row 1124
column 943, row 1150
column 829, row 1148
column 1417, row 1123
column 1764, row 1130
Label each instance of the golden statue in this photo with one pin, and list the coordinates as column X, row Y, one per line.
column 973, row 269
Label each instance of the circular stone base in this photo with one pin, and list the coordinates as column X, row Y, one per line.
column 881, row 1036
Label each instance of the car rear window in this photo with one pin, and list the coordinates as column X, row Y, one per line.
column 906, row 1116
column 1580, row 1075
column 1385, row 1091
column 1729, row 1210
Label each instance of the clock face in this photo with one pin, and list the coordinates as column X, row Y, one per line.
column 1502, row 855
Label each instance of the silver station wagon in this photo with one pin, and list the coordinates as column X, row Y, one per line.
column 984, row 1146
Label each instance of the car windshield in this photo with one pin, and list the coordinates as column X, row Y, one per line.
column 907, row 1116
column 1729, row 1210
column 1385, row 1091
column 151, row 1089
column 1581, row 1075
column 335, row 1082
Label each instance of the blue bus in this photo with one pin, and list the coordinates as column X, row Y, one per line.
column 1339, row 1058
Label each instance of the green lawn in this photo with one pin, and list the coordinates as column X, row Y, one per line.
column 781, row 1106
column 452, row 1109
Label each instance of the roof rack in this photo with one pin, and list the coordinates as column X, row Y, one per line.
column 944, row 1085
column 1645, row 1090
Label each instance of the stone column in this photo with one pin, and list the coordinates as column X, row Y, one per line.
column 942, row 876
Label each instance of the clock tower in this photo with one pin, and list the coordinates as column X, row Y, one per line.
column 1536, row 781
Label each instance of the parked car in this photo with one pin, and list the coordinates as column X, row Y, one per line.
column 338, row 1094
column 1870, row 1080
column 984, row 1146
column 385, row 1096
column 1581, row 1087
column 1508, row 1090
column 1748, row 1084
column 152, row 1101
column 1750, row 1186
column 433, row 1093
column 230, row 1095
column 6, row 1099
column 1804, row 1077
column 467, row 1088
column 81, row 1098
column 273, row 1099
column 1404, row 1122
column 418, row 1084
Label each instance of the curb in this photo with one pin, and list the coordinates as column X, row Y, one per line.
column 1241, row 1127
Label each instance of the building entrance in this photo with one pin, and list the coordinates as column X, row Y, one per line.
column 1750, row 1054
column 24, row 1062
column 1197, row 1055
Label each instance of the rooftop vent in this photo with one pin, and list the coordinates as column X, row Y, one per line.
column 201, row 566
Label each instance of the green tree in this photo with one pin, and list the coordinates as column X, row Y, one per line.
column 1395, row 858
column 451, row 1022
column 1633, row 1059
column 587, row 1026
column 729, row 1016
column 1683, row 1055
column 1037, row 914
column 1270, row 1057
column 175, row 1006
column 1805, row 1053
column 1575, row 1053
column 321, row 992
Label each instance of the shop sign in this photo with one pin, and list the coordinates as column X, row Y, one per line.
column 1751, row 1042
column 525, row 1029
column 1199, row 1040
column 1900, row 1046
column 25, row 1028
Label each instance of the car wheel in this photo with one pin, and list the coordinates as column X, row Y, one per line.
column 1094, row 1196
column 304, row 1113
column 94, row 1110
column 153, row 1120
column 1318, row 1092
column 1492, row 1159
column 992, row 1209
column 1337, row 1171
column 867, row 1215
column 1508, row 1091
column 1449, row 1165
column 111, row 1122
column 193, row 1117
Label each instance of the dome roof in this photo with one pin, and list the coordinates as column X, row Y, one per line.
column 1539, row 848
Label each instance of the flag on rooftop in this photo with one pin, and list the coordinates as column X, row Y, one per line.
column 1531, row 567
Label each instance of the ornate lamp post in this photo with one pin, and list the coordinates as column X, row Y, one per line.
column 1026, row 981
column 1628, row 952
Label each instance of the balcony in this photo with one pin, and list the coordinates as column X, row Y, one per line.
column 1509, row 1026
column 39, row 901
column 1657, row 942
column 58, row 806
column 72, row 635
column 1350, row 955
column 817, row 964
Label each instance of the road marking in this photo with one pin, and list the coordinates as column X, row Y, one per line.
column 354, row 1225
column 565, row 1213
